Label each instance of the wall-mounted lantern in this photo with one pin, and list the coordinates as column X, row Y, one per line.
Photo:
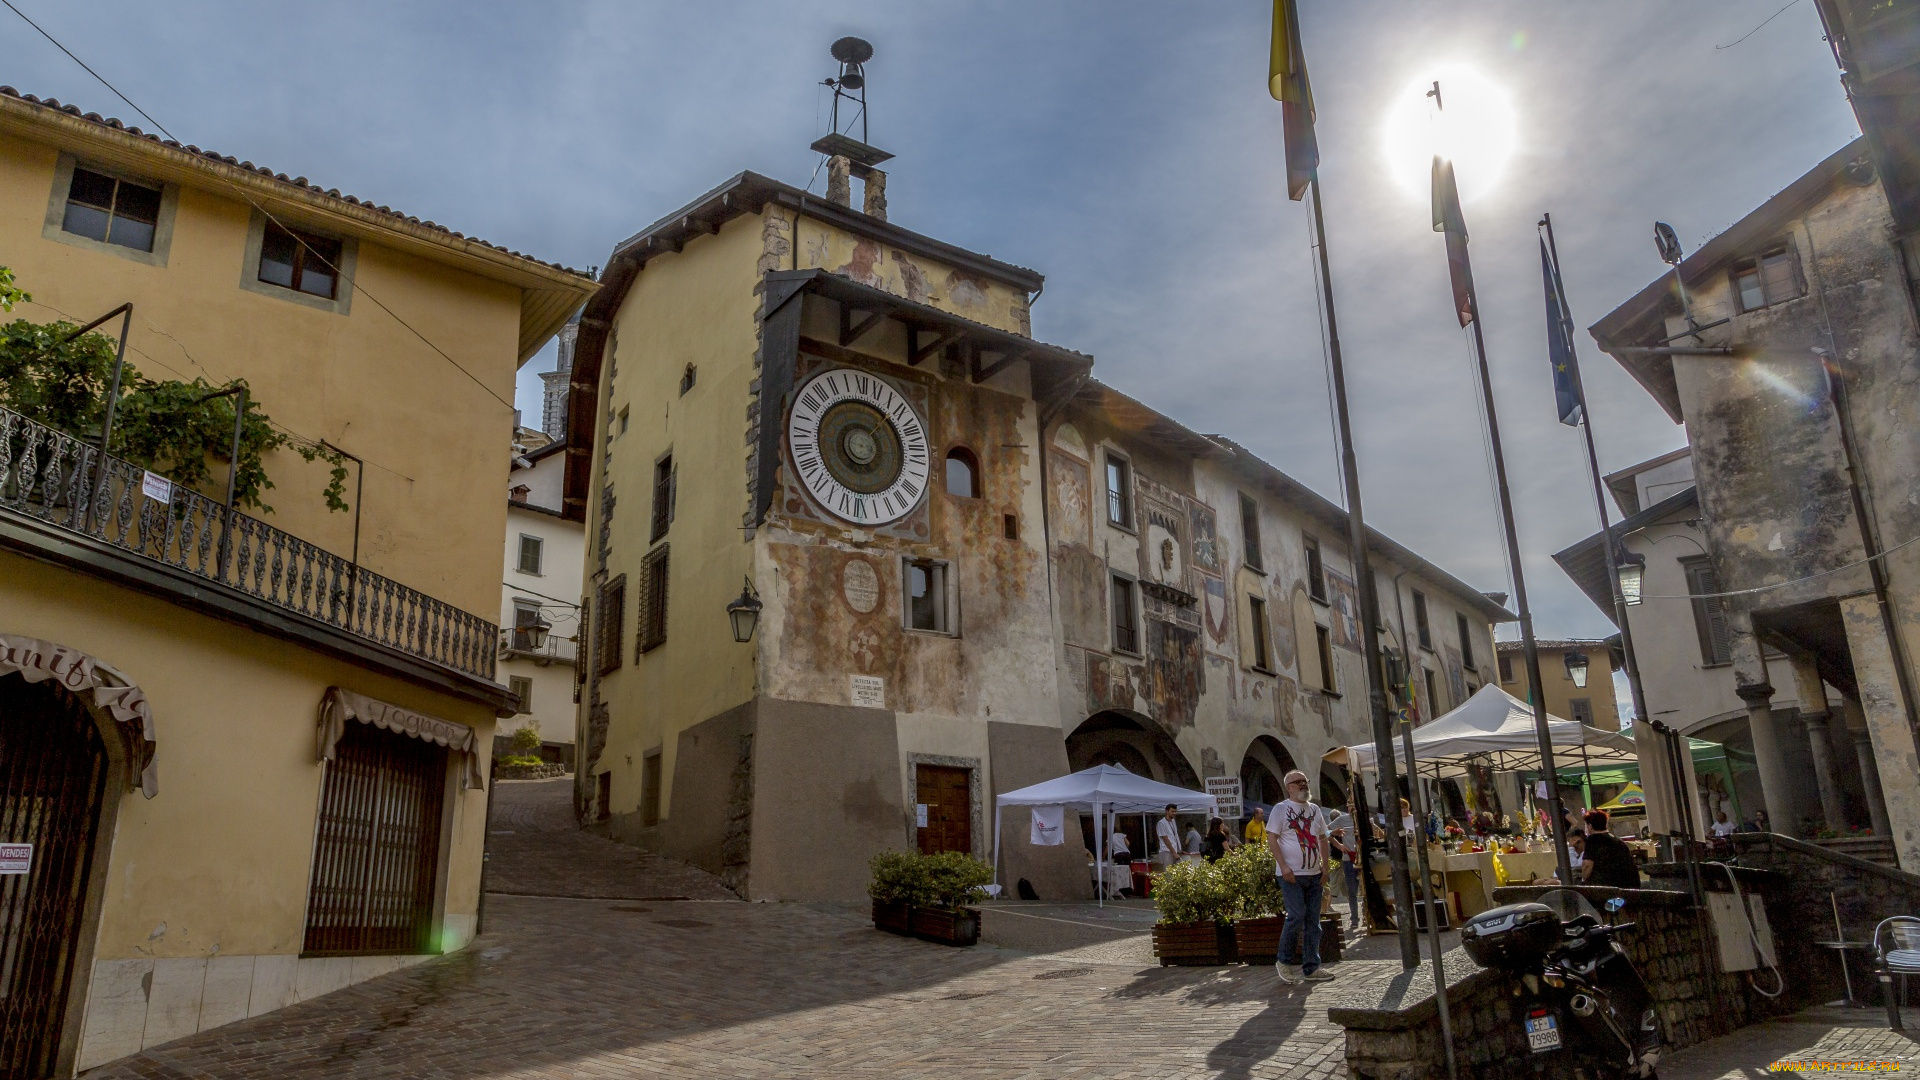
column 744, row 612
column 1633, row 572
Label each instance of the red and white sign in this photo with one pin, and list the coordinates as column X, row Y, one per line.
column 16, row 858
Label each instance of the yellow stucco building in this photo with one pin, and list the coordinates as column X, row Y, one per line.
column 250, row 764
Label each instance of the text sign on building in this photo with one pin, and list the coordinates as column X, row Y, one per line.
column 16, row 858
column 1226, row 789
column 869, row 691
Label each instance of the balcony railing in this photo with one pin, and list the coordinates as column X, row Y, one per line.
column 55, row 478
column 518, row 645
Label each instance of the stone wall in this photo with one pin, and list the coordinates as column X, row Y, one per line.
column 1672, row 945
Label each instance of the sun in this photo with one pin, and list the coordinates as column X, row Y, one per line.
column 1478, row 129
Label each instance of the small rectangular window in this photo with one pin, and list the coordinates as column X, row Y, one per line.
column 1466, row 640
column 1582, row 710
column 1012, row 525
column 650, row 790
column 686, row 379
column 1433, row 695
column 1506, row 668
column 526, row 615
column 663, row 493
column 1709, row 611
column 522, row 688
column 1323, row 639
column 531, row 549
column 625, row 416
column 652, row 632
column 925, row 593
column 1250, row 531
column 1126, row 622
column 1257, row 613
column 112, row 211
column 300, row 261
column 1316, row 570
column 1119, row 492
column 612, row 624
column 1767, row 279
column 1422, row 629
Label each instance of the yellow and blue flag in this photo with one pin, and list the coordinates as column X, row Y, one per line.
column 1287, row 82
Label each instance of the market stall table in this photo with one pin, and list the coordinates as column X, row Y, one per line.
column 1112, row 876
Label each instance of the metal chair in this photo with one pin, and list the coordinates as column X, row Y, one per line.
column 1903, row 960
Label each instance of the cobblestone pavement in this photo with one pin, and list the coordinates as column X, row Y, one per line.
column 1829, row 1036
column 577, row 977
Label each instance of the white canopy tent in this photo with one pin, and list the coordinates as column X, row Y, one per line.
column 1496, row 729
column 1101, row 791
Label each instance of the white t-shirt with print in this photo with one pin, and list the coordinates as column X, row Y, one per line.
column 1301, row 829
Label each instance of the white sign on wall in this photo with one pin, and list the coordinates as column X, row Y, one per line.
column 919, row 815
column 16, row 858
column 1226, row 789
column 156, row 487
column 869, row 691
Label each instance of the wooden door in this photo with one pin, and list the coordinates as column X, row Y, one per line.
column 944, row 790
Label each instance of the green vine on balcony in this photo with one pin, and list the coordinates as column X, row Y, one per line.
column 166, row 426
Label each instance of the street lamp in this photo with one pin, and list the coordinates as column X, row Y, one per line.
column 1577, row 668
column 1633, row 571
column 744, row 612
column 537, row 632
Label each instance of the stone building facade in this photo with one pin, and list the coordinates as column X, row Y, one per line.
column 777, row 399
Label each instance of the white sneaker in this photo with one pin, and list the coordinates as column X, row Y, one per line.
column 1289, row 974
column 1319, row 975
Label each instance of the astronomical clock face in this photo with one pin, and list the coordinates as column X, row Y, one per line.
column 858, row 446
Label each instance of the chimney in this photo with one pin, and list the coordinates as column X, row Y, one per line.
column 875, row 194
column 839, row 190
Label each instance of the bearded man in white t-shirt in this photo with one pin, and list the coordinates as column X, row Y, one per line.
column 1297, row 836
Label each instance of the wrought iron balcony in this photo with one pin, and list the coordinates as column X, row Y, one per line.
column 517, row 644
column 61, row 481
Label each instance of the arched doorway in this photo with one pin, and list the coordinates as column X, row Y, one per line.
column 1262, row 768
column 55, row 771
column 1137, row 744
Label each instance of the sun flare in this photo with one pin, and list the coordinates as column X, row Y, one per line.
column 1478, row 129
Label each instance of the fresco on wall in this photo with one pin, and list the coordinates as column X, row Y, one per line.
column 1343, row 598
column 1285, row 695
column 1108, row 684
column 1175, row 673
column 1072, row 499
column 1456, row 675
column 1204, row 527
column 1217, row 610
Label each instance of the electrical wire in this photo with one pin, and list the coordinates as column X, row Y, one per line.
column 1756, row 29
column 1782, row 584
column 268, row 214
column 1320, row 289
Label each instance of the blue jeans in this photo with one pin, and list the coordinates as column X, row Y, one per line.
column 1302, row 896
column 1353, row 891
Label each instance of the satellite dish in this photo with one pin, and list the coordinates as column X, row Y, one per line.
column 852, row 50
column 1669, row 243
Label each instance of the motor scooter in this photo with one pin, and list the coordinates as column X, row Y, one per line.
column 1579, row 999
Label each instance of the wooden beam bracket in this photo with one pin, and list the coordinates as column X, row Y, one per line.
column 916, row 352
column 851, row 331
column 982, row 374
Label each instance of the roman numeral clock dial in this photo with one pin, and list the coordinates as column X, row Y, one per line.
column 858, row 447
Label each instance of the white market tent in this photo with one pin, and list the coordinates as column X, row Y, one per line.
column 1495, row 729
column 1101, row 791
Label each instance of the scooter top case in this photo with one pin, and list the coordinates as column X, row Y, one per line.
column 1514, row 937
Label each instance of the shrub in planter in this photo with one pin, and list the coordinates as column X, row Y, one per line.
column 1195, row 900
column 925, row 894
column 1249, row 875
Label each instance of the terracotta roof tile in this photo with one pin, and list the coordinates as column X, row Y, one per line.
column 297, row 181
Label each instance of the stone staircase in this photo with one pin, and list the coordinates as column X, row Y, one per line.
column 1874, row 849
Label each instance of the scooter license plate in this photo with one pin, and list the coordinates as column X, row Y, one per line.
column 1543, row 1033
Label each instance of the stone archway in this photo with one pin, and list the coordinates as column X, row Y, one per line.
column 1133, row 742
column 1262, row 768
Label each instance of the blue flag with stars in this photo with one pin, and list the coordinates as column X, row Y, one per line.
column 1566, row 373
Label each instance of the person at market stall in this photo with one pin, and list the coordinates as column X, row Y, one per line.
column 1256, row 830
column 1214, row 845
column 1193, row 842
column 1166, row 833
column 1345, row 851
column 1118, row 844
column 1298, row 841
column 1608, row 860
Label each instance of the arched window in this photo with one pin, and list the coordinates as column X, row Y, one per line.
column 963, row 473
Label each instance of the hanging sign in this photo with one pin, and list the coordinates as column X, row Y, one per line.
column 1226, row 790
column 156, row 487
column 16, row 858
column 1048, row 822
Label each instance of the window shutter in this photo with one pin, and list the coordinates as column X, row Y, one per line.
column 613, row 614
column 1709, row 612
column 653, row 602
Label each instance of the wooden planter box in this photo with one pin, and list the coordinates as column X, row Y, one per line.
column 960, row 927
column 1257, row 941
column 1196, row 944
column 894, row 916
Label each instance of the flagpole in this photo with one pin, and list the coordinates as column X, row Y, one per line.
column 1528, row 644
column 1369, row 603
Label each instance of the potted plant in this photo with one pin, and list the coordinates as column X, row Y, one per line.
column 951, row 879
column 898, row 877
column 1257, row 916
column 1195, row 901
column 925, row 895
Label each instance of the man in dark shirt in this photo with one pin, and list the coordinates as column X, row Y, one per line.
column 1608, row 861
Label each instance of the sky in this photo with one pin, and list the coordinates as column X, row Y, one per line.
column 1126, row 150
